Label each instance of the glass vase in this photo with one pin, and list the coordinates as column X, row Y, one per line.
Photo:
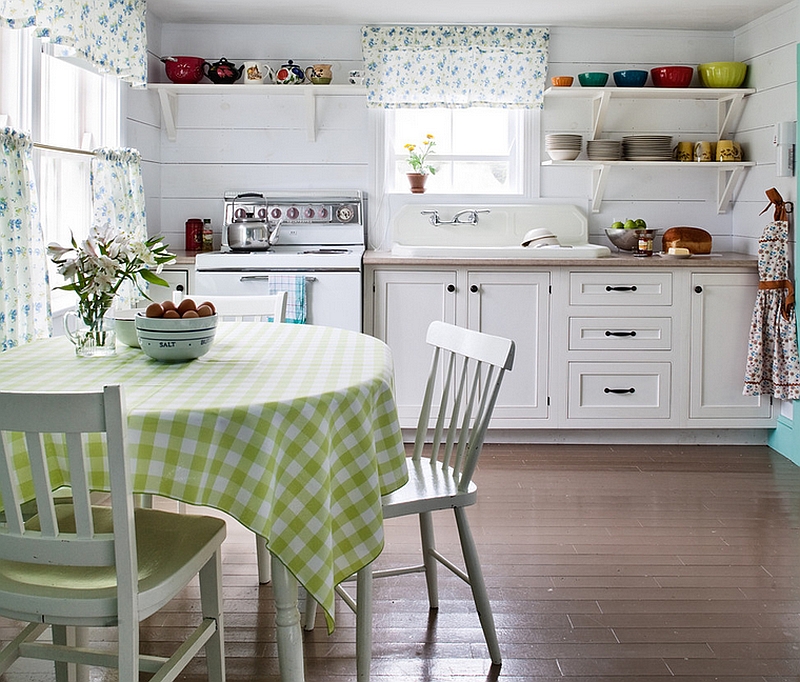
column 93, row 336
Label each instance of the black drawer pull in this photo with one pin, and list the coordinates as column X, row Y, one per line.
column 630, row 288
column 630, row 333
column 451, row 288
column 619, row 390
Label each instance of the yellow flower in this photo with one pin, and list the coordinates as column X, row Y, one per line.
column 417, row 160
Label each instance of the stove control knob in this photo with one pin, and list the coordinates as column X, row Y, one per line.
column 322, row 212
column 292, row 213
column 345, row 214
column 308, row 213
column 240, row 214
column 262, row 213
column 275, row 213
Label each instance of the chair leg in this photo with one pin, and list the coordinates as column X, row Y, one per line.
column 264, row 561
column 60, row 638
column 211, row 606
column 363, row 623
column 477, row 584
column 431, row 565
column 310, row 613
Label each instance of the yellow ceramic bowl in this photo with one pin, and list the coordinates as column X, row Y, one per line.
column 722, row 74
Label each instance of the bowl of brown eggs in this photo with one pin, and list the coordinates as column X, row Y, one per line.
column 171, row 332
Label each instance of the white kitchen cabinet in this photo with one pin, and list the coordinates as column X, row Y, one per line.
column 177, row 276
column 721, row 312
column 504, row 303
column 730, row 103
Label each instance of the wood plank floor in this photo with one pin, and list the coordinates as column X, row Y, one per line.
column 603, row 563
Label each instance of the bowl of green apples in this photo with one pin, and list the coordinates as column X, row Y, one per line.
column 623, row 234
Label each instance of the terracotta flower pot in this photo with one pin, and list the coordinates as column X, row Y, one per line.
column 417, row 182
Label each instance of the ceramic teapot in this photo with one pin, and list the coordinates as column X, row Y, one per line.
column 289, row 74
column 223, row 71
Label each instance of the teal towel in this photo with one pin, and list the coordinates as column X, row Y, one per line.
column 295, row 288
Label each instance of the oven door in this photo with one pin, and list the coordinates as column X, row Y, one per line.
column 333, row 299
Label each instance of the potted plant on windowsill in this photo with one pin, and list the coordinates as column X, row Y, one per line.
column 417, row 159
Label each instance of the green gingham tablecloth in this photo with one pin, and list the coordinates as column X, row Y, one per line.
column 290, row 429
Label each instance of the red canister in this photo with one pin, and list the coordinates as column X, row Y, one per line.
column 194, row 234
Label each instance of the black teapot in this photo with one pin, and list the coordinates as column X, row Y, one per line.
column 223, row 72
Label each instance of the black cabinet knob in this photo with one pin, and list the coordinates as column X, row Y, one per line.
column 451, row 288
column 474, row 288
column 698, row 289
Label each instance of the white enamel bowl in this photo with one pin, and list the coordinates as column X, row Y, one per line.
column 178, row 340
column 125, row 326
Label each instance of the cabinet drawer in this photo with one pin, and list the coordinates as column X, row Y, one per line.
column 606, row 390
column 620, row 333
column 620, row 288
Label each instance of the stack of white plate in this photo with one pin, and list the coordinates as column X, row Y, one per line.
column 604, row 150
column 563, row 147
column 647, row 147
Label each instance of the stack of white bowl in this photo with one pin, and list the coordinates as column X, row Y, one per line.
column 563, row 147
column 604, row 150
column 175, row 339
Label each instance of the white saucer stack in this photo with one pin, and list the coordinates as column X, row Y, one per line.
column 647, row 147
column 563, row 147
column 604, row 150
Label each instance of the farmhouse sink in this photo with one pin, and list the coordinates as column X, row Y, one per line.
column 493, row 232
column 550, row 252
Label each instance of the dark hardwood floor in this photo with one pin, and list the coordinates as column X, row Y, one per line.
column 602, row 563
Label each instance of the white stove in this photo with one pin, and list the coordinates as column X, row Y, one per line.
column 320, row 240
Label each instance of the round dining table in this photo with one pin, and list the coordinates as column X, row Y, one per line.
column 290, row 429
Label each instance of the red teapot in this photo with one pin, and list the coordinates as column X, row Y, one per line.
column 223, row 72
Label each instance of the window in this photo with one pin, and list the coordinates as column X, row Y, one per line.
column 478, row 150
column 77, row 110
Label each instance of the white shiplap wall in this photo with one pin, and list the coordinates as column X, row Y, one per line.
column 227, row 142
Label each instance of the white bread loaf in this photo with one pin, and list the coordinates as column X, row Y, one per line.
column 692, row 238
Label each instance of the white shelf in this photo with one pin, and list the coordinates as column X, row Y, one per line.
column 728, row 175
column 168, row 97
column 730, row 100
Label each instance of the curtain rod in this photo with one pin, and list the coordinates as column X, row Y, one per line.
column 67, row 150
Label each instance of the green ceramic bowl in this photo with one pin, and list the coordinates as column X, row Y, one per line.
column 722, row 74
column 593, row 79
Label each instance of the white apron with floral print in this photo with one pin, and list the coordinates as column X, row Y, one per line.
column 773, row 366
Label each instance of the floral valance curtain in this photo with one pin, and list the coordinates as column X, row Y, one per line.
column 110, row 34
column 455, row 66
column 118, row 201
column 24, row 289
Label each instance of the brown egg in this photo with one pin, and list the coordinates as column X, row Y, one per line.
column 172, row 315
column 186, row 304
column 209, row 304
column 168, row 305
column 154, row 310
column 204, row 310
column 189, row 313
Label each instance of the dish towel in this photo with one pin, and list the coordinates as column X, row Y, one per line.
column 295, row 288
column 773, row 365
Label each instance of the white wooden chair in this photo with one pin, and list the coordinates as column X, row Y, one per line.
column 266, row 308
column 464, row 380
column 83, row 565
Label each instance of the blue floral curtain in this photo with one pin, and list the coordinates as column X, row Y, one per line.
column 455, row 66
column 111, row 34
column 118, row 201
column 24, row 288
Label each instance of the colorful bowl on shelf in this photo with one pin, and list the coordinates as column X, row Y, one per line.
column 672, row 76
column 593, row 79
column 561, row 81
column 722, row 74
column 630, row 78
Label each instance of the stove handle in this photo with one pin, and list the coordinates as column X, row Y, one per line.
column 249, row 194
column 264, row 278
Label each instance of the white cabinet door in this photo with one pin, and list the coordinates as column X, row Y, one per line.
column 721, row 311
column 177, row 277
column 405, row 302
column 515, row 305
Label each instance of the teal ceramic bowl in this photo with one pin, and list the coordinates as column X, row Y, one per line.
column 630, row 78
column 593, row 79
column 722, row 74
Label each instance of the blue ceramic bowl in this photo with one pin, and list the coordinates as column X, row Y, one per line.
column 593, row 79
column 630, row 78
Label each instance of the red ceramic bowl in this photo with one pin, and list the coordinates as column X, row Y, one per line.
column 184, row 69
column 672, row 76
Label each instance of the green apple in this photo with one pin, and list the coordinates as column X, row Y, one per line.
column 641, row 225
column 618, row 225
column 630, row 225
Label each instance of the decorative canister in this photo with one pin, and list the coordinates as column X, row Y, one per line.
column 194, row 234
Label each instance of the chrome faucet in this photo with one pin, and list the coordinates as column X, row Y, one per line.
column 468, row 216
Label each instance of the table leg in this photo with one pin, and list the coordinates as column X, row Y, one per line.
column 287, row 620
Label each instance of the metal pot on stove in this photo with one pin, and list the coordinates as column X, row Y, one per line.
column 248, row 227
